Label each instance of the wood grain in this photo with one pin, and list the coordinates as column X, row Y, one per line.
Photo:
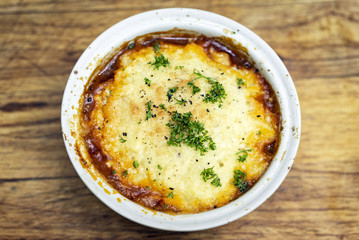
column 41, row 196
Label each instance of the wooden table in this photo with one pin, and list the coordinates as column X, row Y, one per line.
column 41, row 195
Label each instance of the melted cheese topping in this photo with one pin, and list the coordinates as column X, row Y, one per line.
column 172, row 172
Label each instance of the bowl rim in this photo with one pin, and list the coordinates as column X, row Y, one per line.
column 210, row 24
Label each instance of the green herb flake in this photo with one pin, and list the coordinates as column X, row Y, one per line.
column 135, row 164
column 147, row 187
column 124, row 173
column 195, row 89
column 179, row 67
column 240, row 82
column 216, row 182
column 170, row 92
column 239, row 180
column 160, row 61
column 259, row 133
column 190, row 132
column 156, row 47
column 147, row 82
column 200, row 75
column 243, row 154
column 114, row 172
column 149, row 110
column 170, row 195
column 163, row 106
column 180, row 102
column 208, row 174
column 217, row 92
column 122, row 140
column 131, row 45
column 165, row 205
column 159, row 167
column 154, row 180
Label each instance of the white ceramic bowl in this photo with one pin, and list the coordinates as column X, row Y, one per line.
column 210, row 24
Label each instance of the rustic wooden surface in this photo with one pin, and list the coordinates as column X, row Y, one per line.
column 41, row 196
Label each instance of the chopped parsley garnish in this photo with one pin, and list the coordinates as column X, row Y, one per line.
column 114, row 172
column 259, row 133
column 154, row 180
column 170, row 195
column 147, row 82
column 216, row 182
column 243, row 154
column 124, row 173
column 135, row 164
column 240, row 82
column 179, row 67
column 239, row 180
column 190, row 132
column 200, row 75
column 163, row 106
column 195, row 89
column 156, row 47
column 131, row 45
column 147, row 187
column 217, row 92
column 180, row 102
column 160, row 61
column 122, row 140
column 208, row 174
column 170, row 92
column 149, row 110
column 159, row 167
